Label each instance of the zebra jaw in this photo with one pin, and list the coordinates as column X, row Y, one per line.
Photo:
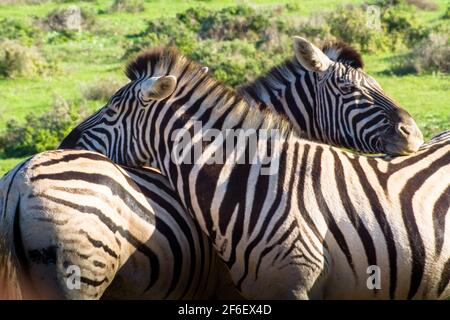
column 309, row 56
column 158, row 88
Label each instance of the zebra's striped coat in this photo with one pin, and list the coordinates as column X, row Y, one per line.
column 311, row 229
column 123, row 228
column 345, row 108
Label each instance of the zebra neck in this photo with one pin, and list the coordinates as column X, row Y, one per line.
column 290, row 91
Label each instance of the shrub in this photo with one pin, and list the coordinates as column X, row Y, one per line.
column 102, row 90
column 240, row 42
column 446, row 14
column 9, row 2
column 18, row 30
column 40, row 132
column 350, row 24
column 433, row 54
column 230, row 23
column 164, row 32
column 428, row 5
column 131, row 6
column 402, row 25
column 236, row 62
column 17, row 60
column 239, row 22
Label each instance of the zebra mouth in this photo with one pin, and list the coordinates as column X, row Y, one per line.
column 401, row 145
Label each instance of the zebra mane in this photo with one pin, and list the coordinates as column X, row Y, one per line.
column 162, row 61
column 342, row 52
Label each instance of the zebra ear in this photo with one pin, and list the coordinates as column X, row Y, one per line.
column 158, row 88
column 204, row 70
column 309, row 56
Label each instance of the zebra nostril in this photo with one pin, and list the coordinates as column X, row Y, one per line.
column 403, row 130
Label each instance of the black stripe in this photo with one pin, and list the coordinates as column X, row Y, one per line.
column 153, row 259
column 116, row 188
column 439, row 213
column 189, row 231
column 93, row 283
column 235, row 196
column 415, row 240
column 445, row 278
column 301, row 192
column 279, row 189
column 353, row 215
column 100, row 244
column 287, row 210
column 316, row 173
column 380, row 216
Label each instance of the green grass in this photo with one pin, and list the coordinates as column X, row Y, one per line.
column 20, row 96
column 7, row 164
column 425, row 96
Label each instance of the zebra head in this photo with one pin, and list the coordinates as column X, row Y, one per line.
column 117, row 124
column 350, row 107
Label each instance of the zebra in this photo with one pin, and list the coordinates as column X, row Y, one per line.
column 311, row 226
column 121, row 231
column 277, row 83
column 349, row 110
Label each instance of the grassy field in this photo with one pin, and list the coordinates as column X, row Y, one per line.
column 91, row 56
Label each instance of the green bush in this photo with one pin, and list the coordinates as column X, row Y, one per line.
column 240, row 22
column 350, row 24
column 19, row 30
column 235, row 62
column 446, row 14
column 39, row 133
column 399, row 27
column 433, row 54
column 195, row 24
column 101, row 90
column 164, row 32
column 430, row 55
column 238, row 43
column 17, row 60
column 403, row 26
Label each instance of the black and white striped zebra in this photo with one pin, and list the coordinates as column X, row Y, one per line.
column 123, row 229
column 313, row 226
column 344, row 107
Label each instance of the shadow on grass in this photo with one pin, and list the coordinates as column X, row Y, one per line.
column 399, row 65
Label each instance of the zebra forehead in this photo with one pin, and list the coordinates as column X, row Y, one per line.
column 341, row 52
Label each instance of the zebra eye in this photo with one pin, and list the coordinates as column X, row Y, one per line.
column 110, row 112
column 347, row 87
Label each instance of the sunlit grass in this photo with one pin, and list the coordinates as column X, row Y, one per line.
column 7, row 164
